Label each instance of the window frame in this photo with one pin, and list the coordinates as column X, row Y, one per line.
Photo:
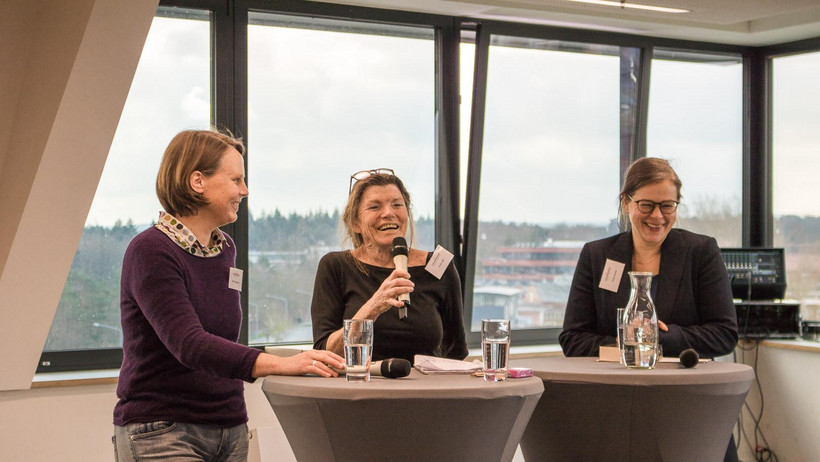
column 678, row 55
column 633, row 138
column 759, row 226
column 766, row 61
column 418, row 27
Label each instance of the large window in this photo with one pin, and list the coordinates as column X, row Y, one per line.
column 549, row 174
column 796, row 174
column 170, row 92
column 327, row 99
column 695, row 121
column 319, row 92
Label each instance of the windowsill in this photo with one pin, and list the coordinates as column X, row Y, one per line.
column 516, row 352
column 75, row 378
column 109, row 376
column 799, row 345
column 524, row 351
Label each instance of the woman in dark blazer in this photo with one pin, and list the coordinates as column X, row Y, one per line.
column 690, row 285
column 691, row 294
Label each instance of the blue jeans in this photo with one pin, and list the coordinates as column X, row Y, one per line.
column 177, row 441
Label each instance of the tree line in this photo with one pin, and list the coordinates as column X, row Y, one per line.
column 88, row 312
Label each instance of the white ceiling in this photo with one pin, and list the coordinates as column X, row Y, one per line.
column 739, row 22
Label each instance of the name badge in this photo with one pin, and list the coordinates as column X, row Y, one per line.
column 611, row 278
column 235, row 279
column 439, row 261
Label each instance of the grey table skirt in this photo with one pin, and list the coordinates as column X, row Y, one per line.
column 594, row 411
column 416, row 418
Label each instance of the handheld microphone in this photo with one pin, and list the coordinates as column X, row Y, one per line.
column 689, row 358
column 399, row 252
column 392, row 368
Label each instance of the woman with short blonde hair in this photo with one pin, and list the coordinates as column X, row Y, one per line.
column 180, row 389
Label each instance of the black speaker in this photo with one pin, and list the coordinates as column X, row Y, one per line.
column 768, row 319
column 756, row 273
column 810, row 330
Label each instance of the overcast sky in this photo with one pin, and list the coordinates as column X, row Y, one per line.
column 324, row 105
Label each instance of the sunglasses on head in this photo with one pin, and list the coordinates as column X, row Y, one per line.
column 367, row 174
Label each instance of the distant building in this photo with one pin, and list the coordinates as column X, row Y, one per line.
column 288, row 257
column 528, row 284
column 527, row 263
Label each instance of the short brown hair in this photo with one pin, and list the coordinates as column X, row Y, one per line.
column 644, row 171
column 188, row 152
column 354, row 200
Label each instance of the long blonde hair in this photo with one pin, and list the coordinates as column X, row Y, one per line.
column 354, row 200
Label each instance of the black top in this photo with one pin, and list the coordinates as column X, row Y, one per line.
column 434, row 325
column 693, row 297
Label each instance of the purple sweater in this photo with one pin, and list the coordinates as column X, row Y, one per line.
column 180, row 325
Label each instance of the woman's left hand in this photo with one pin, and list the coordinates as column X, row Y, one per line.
column 317, row 362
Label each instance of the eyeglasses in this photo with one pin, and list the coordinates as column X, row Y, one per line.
column 367, row 174
column 646, row 206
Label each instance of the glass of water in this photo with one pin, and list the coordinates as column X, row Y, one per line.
column 358, row 340
column 619, row 317
column 495, row 348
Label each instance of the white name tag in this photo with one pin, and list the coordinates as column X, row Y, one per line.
column 439, row 261
column 235, row 279
column 611, row 278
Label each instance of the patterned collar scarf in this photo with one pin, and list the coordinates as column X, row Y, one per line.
column 183, row 237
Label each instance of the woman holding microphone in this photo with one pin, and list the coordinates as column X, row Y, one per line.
column 364, row 283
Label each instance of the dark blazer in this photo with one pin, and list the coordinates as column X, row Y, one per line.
column 693, row 297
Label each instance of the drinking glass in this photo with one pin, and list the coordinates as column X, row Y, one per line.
column 620, row 323
column 358, row 344
column 495, row 348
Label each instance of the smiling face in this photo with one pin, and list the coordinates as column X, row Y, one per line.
column 224, row 189
column 650, row 230
column 382, row 216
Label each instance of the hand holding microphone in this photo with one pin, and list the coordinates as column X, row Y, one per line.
column 400, row 253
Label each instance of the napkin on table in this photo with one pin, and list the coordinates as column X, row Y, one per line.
column 436, row 365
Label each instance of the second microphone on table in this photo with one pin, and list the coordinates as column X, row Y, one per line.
column 392, row 368
column 400, row 252
column 689, row 358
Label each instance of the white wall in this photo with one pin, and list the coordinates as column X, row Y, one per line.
column 62, row 90
column 74, row 424
column 789, row 375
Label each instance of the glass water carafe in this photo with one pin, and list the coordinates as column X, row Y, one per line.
column 640, row 345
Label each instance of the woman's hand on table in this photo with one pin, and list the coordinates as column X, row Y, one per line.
column 317, row 362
